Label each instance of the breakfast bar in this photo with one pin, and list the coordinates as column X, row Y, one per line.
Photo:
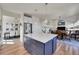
column 40, row 44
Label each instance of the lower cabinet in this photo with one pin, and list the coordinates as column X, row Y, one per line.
column 48, row 48
column 38, row 48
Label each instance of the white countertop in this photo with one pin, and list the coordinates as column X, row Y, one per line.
column 41, row 37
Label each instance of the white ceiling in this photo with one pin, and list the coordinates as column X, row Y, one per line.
column 52, row 10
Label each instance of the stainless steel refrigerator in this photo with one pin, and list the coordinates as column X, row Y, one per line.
column 27, row 28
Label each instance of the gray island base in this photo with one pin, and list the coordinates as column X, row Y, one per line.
column 40, row 44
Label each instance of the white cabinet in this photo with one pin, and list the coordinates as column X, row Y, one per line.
column 10, row 25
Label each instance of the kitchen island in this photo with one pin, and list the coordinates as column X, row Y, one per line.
column 40, row 44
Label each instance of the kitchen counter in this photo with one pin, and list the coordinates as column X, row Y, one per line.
column 40, row 44
column 41, row 37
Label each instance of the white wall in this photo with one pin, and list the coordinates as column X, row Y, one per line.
column 12, row 14
column 37, row 28
column 36, row 25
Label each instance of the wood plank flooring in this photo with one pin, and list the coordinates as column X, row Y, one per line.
column 18, row 49
column 66, row 49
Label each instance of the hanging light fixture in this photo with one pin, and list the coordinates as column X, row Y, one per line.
column 46, row 21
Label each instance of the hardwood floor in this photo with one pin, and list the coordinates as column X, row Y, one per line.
column 13, row 49
column 18, row 49
column 66, row 49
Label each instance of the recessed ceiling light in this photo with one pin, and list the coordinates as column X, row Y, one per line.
column 36, row 9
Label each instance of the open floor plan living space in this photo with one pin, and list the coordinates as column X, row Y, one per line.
column 39, row 28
